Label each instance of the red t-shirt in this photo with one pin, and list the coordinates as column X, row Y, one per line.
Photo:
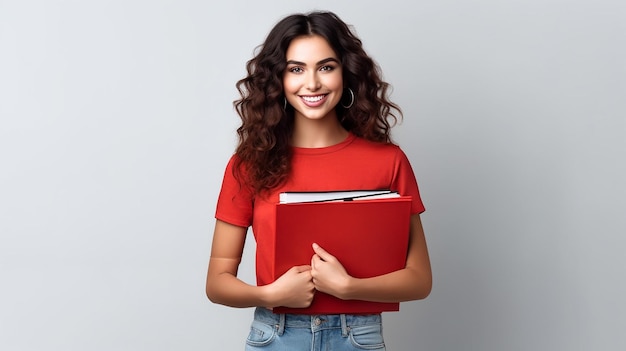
column 354, row 164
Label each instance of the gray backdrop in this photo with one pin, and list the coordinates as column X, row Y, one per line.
column 116, row 124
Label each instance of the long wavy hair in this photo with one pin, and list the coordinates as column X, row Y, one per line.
column 263, row 152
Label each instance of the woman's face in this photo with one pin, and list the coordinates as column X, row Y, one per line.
column 313, row 80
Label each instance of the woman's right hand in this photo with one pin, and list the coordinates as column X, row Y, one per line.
column 293, row 289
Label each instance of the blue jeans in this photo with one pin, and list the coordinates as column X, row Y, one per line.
column 293, row 332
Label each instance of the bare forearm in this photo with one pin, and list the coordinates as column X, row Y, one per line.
column 403, row 285
column 293, row 289
column 222, row 285
column 226, row 289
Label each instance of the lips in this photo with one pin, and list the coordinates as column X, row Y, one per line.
column 313, row 100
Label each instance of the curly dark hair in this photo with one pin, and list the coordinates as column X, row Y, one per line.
column 263, row 152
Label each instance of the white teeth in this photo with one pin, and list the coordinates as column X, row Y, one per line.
column 313, row 98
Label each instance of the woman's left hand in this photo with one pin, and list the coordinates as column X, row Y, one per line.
column 329, row 275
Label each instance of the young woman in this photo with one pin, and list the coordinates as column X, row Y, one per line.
column 315, row 117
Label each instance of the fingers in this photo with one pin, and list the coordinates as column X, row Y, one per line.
column 295, row 288
column 303, row 268
column 321, row 253
column 317, row 248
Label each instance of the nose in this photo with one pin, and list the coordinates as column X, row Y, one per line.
column 313, row 82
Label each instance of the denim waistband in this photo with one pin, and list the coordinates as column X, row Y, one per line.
column 314, row 322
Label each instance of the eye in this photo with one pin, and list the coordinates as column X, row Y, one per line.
column 296, row 69
column 327, row 68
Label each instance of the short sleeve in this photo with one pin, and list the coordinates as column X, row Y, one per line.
column 235, row 202
column 405, row 183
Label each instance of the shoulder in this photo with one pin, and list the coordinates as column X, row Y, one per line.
column 236, row 173
column 381, row 154
column 236, row 164
column 363, row 145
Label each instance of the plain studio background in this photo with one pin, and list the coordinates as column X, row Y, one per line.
column 117, row 122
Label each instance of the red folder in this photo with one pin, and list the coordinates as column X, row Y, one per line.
column 368, row 237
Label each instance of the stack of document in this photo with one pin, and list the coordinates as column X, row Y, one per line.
column 368, row 232
column 318, row 196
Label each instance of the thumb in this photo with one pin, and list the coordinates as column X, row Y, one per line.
column 323, row 254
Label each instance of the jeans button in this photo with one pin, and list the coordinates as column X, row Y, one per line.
column 317, row 321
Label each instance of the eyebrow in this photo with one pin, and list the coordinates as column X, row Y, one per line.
column 326, row 60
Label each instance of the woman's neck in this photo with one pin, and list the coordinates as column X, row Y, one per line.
column 317, row 133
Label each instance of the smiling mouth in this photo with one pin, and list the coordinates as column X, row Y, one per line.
column 313, row 99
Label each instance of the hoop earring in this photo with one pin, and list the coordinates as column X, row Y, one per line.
column 285, row 104
column 351, row 100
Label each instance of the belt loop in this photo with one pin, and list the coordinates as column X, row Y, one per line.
column 281, row 324
column 344, row 325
